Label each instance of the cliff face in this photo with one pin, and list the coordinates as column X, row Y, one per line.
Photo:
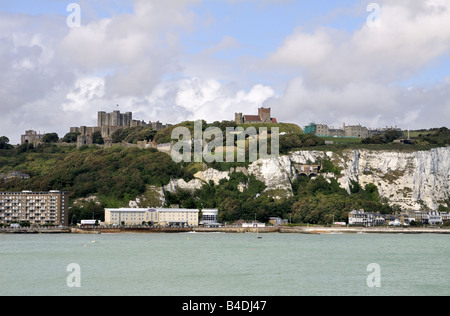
column 407, row 179
column 410, row 180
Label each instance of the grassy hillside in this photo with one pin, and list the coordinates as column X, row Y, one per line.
column 164, row 136
column 117, row 175
column 287, row 128
column 422, row 140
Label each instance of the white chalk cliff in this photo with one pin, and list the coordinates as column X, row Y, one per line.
column 409, row 179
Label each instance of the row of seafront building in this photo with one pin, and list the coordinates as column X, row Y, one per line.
column 51, row 208
column 370, row 219
column 163, row 217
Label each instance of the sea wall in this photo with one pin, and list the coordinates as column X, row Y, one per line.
column 266, row 230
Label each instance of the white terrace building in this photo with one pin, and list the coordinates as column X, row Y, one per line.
column 159, row 217
column 361, row 218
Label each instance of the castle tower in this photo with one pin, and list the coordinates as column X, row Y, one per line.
column 264, row 114
column 101, row 119
column 129, row 119
column 238, row 118
column 115, row 118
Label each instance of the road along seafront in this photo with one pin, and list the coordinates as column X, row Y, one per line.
column 272, row 229
column 263, row 230
column 35, row 230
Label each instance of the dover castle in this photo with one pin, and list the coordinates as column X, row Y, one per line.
column 108, row 123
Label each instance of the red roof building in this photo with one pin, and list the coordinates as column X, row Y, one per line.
column 262, row 117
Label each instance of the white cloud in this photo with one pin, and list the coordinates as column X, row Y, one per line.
column 406, row 41
column 372, row 105
column 33, row 78
column 208, row 99
column 353, row 78
column 169, row 101
column 140, row 48
column 304, row 50
column 54, row 77
column 83, row 97
column 50, row 72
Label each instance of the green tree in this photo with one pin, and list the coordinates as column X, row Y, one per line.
column 385, row 138
column 70, row 137
column 50, row 138
column 372, row 192
column 97, row 138
column 4, row 143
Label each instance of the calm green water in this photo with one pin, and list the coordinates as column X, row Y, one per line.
column 203, row 264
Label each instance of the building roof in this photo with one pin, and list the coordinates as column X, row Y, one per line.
column 151, row 210
column 253, row 118
column 257, row 118
column 178, row 210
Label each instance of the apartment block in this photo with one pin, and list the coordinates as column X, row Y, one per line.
column 36, row 208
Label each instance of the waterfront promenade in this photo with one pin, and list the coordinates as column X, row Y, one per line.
column 36, row 230
column 234, row 229
column 275, row 229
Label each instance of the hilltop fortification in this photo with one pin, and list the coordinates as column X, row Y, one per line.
column 108, row 123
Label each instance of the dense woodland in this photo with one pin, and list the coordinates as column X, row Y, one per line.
column 117, row 175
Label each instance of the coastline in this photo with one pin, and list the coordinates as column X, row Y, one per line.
column 274, row 229
column 235, row 230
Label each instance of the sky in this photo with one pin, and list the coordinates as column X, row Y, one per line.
column 376, row 63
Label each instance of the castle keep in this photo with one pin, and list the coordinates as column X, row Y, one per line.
column 108, row 123
column 115, row 119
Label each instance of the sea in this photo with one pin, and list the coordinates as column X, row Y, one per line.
column 224, row 264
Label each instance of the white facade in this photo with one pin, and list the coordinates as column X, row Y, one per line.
column 435, row 218
column 431, row 218
column 255, row 225
column 178, row 217
column 361, row 218
column 158, row 217
column 89, row 222
column 210, row 217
